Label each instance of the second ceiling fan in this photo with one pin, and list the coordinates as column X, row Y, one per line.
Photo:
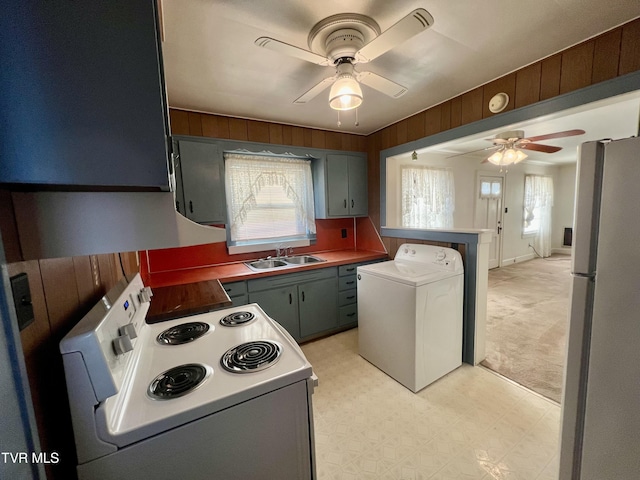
column 508, row 146
column 345, row 40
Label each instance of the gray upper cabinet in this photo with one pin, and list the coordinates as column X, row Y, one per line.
column 82, row 97
column 340, row 183
column 200, row 194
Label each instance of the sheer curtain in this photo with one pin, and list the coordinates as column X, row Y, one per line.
column 428, row 197
column 268, row 197
column 538, row 202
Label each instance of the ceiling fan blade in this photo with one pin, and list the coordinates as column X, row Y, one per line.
column 539, row 147
column 568, row 133
column 292, row 51
column 473, row 151
column 381, row 84
column 414, row 23
column 315, row 90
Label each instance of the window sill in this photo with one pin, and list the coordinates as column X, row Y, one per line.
column 261, row 247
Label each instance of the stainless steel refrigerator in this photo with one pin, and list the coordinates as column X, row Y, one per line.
column 600, row 434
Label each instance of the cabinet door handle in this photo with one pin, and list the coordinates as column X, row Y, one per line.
column 190, row 206
column 351, row 297
column 352, row 203
column 351, row 314
column 303, row 295
column 350, row 282
column 290, row 299
column 345, row 203
column 351, row 269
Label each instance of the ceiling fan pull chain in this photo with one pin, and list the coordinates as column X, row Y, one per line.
column 339, row 122
column 357, row 122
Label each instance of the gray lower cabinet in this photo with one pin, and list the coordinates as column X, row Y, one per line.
column 347, row 295
column 306, row 304
column 237, row 292
column 317, row 306
column 281, row 304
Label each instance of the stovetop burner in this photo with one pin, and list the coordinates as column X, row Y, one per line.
column 177, row 381
column 251, row 356
column 183, row 333
column 237, row 318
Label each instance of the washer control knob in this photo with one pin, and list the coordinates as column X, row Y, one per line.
column 145, row 295
column 440, row 255
column 122, row 344
column 129, row 330
column 406, row 250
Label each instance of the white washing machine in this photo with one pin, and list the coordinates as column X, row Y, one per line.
column 410, row 314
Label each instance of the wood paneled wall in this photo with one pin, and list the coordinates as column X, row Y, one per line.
column 63, row 290
column 607, row 56
column 217, row 126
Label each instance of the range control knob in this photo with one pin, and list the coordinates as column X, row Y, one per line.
column 122, row 344
column 129, row 330
column 145, row 295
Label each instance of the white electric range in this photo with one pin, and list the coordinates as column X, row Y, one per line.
column 225, row 394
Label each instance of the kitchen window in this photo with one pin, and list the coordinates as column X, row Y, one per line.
column 428, row 197
column 269, row 202
column 538, row 202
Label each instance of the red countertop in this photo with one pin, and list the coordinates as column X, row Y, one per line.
column 238, row 271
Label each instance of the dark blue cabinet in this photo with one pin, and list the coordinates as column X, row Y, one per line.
column 82, row 97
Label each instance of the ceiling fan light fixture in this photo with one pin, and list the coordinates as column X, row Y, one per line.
column 520, row 156
column 345, row 93
column 506, row 156
column 509, row 156
column 496, row 158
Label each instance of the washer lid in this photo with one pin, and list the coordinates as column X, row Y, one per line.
column 409, row 273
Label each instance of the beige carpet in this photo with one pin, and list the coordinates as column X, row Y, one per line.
column 527, row 310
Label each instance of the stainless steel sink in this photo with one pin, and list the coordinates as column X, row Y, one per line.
column 303, row 259
column 266, row 264
column 282, row 262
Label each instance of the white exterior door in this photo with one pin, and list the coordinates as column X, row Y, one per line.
column 489, row 212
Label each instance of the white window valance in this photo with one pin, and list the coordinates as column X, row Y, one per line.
column 269, row 197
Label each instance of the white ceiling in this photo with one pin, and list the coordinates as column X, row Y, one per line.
column 212, row 64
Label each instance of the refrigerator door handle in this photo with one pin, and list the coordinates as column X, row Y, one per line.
column 575, row 375
column 587, row 207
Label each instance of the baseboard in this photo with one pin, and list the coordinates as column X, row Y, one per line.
column 562, row 250
column 521, row 258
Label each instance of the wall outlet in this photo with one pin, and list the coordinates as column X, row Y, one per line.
column 344, row 233
column 22, row 300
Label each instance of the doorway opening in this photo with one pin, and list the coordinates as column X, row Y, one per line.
column 527, row 309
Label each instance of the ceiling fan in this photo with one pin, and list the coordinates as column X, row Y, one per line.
column 509, row 146
column 345, row 40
